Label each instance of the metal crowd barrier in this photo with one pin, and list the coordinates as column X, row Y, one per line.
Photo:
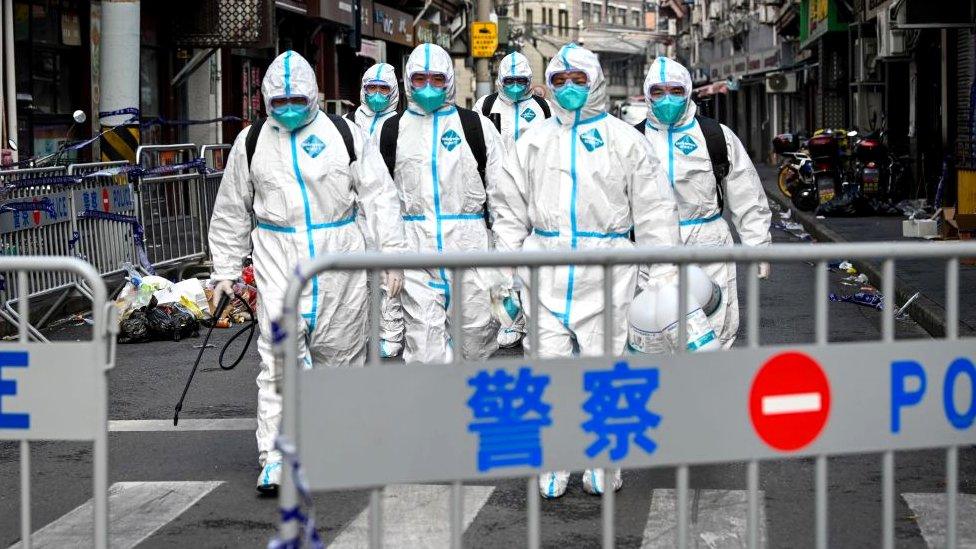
column 105, row 241
column 215, row 160
column 170, row 206
column 877, row 405
column 61, row 388
column 42, row 224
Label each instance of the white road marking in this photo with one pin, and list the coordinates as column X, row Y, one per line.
column 717, row 519
column 144, row 425
column 930, row 513
column 415, row 515
column 791, row 404
column 136, row 511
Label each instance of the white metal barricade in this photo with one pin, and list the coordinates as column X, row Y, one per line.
column 215, row 160
column 36, row 219
column 169, row 205
column 61, row 388
column 690, row 408
column 105, row 213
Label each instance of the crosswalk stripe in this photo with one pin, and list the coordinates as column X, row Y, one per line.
column 216, row 424
column 930, row 513
column 717, row 518
column 136, row 511
column 415, row 515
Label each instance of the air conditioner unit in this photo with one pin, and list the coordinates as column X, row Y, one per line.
column 891, row 41
column 867, row 53
column 781, row 82
column 767, row 14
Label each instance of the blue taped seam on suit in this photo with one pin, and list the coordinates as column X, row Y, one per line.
column 307, row 205
column 700, row 220
column 315, row 226
column 572, row 219
column 671, row 131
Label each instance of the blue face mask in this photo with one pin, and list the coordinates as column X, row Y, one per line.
column 572, row 96
column 669, row 108
column 378, row 102
column 291, row 117
column 430, row 98
column 514, row 91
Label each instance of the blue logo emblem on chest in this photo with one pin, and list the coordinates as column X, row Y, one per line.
column 592, row 140
column 686, row 144
column 313, row 146
column 528, row 115
column 450, row 139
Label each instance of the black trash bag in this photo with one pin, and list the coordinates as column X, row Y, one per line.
column 134, row 329
column 172, row 321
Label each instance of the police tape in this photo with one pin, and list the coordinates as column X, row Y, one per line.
column 138, row 233
column 308, row 536
column 43, row 205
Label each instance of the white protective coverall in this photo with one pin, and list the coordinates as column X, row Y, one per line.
column 589, row 179
column 391, row 313
column 681, row 149
column 517, row 116
column 303, row 193
column 366, row 118
column 443, row 199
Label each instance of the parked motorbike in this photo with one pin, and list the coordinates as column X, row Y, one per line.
column 796, row 168
column 876, row 172
column 825, row 148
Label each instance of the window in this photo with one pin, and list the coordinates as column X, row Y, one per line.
column 528, row 20
column 611, row 14
column 515, row 8
column 550, row 20
column 563, row 22
column 635, row 19
column 597, row 13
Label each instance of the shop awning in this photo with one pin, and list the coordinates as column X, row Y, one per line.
column 712, row 89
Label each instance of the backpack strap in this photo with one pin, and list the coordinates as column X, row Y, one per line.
column 251, row 141
column 718, row 153
column 542, row 105
column 351, row 116
column 389, row 133
column 640, row 126
column 346, row 134
column 475, row 137
column 488, row 103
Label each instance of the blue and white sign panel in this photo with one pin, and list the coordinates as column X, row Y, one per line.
column 394, row 424
column 50, row 392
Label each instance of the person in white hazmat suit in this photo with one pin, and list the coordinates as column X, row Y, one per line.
column 378, row 99
column 304, row 192
column 679, row 145
column 518, row 110
column 513, row 98
column 443, row 201
column 589, row 179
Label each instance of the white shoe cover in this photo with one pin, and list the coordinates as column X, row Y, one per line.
column 553, row 484
column 593, row 481
column 390, row 348
column 270, row 478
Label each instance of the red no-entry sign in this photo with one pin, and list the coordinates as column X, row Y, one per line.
column 789, row 401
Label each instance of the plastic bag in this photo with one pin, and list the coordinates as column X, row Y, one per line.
column 134, row 328
column 172, row 322
column 866, row 299
column 190, row 293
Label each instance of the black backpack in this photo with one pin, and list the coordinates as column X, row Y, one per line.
column 489, row 102
column 717, row 152
column 473, row 135
column 251, row 142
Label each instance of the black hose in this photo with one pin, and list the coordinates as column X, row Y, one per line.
column 248, row 327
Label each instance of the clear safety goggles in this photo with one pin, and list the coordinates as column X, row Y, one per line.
column 519, row 80
column 280, row 101
column 578, row 77
column 377, row 86
column 674, row 89
column 435, row 79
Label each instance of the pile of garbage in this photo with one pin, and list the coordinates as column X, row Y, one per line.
column 865, row 294
column 153, row 308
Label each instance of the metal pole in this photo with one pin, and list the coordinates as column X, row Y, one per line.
column 482, row 70
column 23, row 309
column 456, row 323
column 10, row 77
column 888, row 458
column 822, row 337
column 752, row 469
column 952, row 453
column 608, row 351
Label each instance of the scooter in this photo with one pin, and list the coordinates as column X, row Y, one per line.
column 828, row 167
column 869, row 171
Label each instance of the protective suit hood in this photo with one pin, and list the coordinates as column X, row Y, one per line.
column 573, row 57
column 665, row 69
column 429, row 58
column 290, row 74
column 380, row 72
column 513, row 64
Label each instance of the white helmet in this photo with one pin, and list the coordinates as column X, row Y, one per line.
column 646, row 333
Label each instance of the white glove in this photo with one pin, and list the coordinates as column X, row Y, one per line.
column 763, row 270
column 393, row 279
column 221, row 288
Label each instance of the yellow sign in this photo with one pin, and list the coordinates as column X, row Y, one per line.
column 484, row 39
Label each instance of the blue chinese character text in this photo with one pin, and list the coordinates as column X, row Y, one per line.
column 508, row 416
column 618, row 409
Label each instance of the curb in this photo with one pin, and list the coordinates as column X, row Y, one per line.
column 927, row 313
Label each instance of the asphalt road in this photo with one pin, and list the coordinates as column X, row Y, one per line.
column 198, row 486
